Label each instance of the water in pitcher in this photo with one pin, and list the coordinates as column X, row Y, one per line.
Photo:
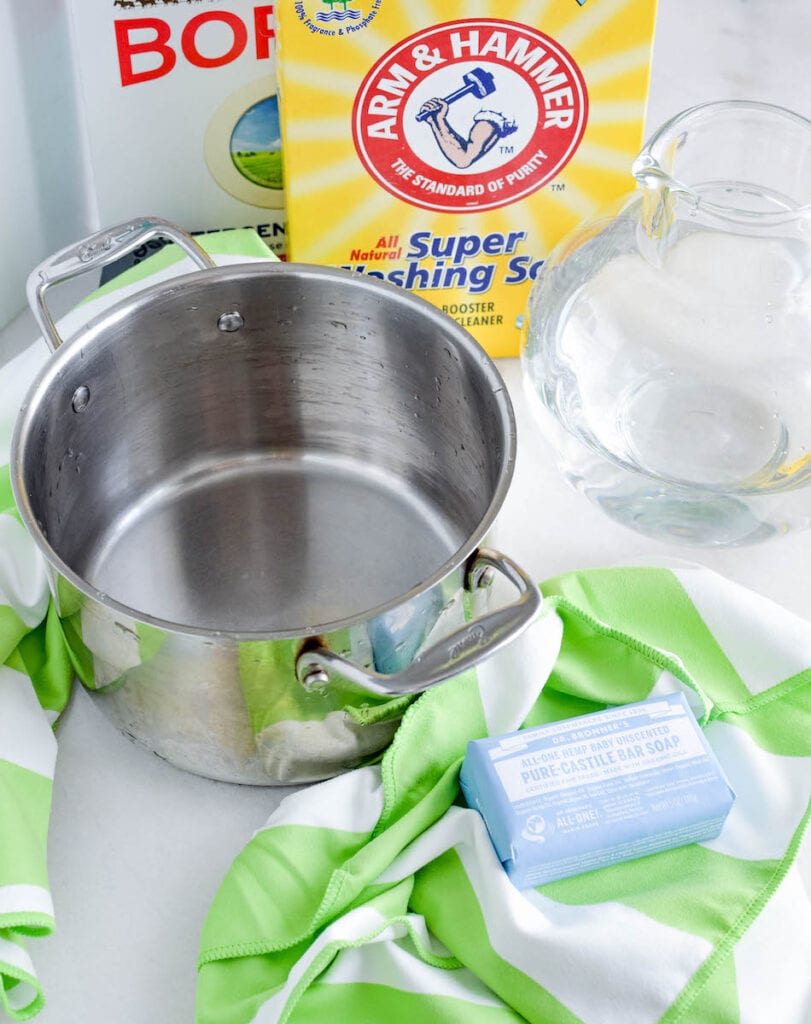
column 667, row 354
column 699, row 391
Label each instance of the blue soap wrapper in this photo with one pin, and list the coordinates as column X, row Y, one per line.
column 576, row 795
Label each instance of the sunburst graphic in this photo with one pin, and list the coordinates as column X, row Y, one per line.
column 335, row 207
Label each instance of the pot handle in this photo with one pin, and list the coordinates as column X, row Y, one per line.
column 462, row 650
column 97, row 251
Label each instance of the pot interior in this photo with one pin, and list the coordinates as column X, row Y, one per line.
column 343, row 445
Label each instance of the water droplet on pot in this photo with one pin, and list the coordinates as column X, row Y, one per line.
column 81, row 397
column 230, row 322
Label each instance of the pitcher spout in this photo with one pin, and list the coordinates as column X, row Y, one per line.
column 739, row 161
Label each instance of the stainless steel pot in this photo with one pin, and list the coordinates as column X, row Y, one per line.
column 261, row 491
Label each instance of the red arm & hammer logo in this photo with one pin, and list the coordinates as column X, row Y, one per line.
column 472, row 114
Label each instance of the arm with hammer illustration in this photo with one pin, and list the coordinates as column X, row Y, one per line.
column 460, row 151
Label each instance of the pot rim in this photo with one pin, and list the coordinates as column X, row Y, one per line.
column 49, row 374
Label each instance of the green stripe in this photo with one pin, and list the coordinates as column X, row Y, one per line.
column 555, row 704
column 42, row 655
column 150, row 640
column 424, row 746
column 232, row 991
column 392, row 908
column 10, row 977
column 6, row 494
column 443, row 894
column 249, row 915
column 80, row 657
column 682, row 1009
column 717, row 1003
column 349, row 882
column 691, row 888
column 652, row 606
column 272, row 693
column 635, row 665
column 776, row 719
column 12, row 630
column 215, row 999
column 25, row 805
column 318, row 873
column 371, row 714
column 35, row 925
column 362, row 1002
column 7, row 504
column 596, row 666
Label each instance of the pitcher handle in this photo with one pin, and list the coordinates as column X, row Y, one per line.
column 97, row 251
column 462, row 650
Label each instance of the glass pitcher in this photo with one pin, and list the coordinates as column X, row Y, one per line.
column 667, row 349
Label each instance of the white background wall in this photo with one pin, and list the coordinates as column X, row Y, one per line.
column 42, row 190
column 730, row 49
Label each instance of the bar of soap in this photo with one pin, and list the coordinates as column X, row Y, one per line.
column 576, row 795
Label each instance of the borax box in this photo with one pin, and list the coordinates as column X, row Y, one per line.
column 179, row 106
column 447, row 145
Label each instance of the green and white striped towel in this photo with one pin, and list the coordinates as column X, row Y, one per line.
column 35, row 680
column 377, row 896
column 36, row 664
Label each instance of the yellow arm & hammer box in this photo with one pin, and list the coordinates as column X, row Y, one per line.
column 447, row 146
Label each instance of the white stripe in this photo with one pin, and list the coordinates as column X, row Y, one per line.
column 352, row 802
column 23, row 994
column 635, row 965
column 26, row 739
column 418, row 930
column 668, row 683
column 16, row 956
column 352, row 927
column 23, row 583
column 772, row 959
column 771, row 795
column 764, row 642
column 607, row 963
column 510, row 681
column 395, row 965
column 25, row 899
column 382, row 960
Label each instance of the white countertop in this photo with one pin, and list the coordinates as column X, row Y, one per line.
column 138, row 848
